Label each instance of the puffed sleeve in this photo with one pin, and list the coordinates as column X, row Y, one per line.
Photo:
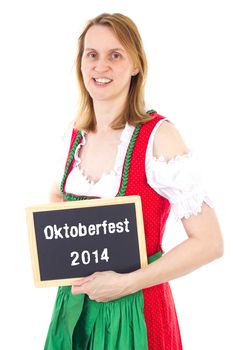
column 180, row 180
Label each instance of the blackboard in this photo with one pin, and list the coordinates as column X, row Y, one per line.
column 71, row 240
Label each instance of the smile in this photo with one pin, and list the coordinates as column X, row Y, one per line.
column 102, row 81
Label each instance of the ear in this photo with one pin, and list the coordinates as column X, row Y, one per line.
column 135, row 71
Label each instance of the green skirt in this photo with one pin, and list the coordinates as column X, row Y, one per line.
column 79, row 323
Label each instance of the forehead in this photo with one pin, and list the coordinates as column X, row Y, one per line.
column 101, row 37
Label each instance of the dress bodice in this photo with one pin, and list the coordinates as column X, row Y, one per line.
column 179, row 179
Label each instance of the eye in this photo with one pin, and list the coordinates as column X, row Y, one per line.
column 116, row 55
column 92, row 54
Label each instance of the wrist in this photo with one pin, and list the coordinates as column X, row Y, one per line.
column 133, row 281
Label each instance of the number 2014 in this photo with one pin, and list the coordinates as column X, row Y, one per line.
column 86, row 257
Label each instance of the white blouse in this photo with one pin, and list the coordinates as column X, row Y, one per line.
column 179, row 179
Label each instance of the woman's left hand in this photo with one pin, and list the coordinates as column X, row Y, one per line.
column 103, row 286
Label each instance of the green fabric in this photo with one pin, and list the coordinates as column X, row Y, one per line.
column 154, row 257
column 79, row 323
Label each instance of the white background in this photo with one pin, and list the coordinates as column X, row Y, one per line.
column 189, row 48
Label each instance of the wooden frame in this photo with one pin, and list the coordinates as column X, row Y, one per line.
column 81, row 204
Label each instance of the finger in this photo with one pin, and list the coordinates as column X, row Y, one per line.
column 92, row 294
column 78, row 283
column 78, row 289
column 83, row 280
column 102, row 300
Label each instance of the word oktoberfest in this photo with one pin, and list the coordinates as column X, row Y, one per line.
column 81, row 230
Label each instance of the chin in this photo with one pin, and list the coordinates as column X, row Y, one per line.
column 100, row 97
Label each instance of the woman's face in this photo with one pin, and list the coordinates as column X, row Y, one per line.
column 106, row 66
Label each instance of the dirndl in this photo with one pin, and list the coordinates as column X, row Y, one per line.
column 79, row 323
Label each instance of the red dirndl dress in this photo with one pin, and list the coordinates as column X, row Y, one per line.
column 159, row 313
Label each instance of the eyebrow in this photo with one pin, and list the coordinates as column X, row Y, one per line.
column 114, row 49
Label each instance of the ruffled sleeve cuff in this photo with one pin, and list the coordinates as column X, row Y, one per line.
column 180, row 181
column 191, row 206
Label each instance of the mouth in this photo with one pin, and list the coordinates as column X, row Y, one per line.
column 102, row 81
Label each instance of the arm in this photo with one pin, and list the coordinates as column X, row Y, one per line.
column 204, row 242
column 55, row 194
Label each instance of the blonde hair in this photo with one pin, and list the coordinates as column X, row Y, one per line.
column 134, row 109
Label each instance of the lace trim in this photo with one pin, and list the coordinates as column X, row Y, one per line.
column 179, row 180
column 174, row 159
column 187, row 200
column 82, row 143
column 119, row 162
column 125, row 172
column 191, row 206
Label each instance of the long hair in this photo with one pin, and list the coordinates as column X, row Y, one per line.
column 134, row 109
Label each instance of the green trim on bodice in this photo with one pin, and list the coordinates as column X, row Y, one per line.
column 125, row 173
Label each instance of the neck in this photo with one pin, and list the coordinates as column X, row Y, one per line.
column 106, row 112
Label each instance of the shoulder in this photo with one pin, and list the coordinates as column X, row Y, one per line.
column 168, row 141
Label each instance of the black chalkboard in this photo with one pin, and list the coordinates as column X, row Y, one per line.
column 71, row 240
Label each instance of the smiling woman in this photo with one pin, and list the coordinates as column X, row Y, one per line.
column 106, row 66
column 124, row 150
column 118, row 56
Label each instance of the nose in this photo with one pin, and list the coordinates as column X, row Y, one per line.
column 102, row 65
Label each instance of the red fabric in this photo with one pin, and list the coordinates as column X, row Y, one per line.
column 159, row 309
column 160, row 314
column 73, row 138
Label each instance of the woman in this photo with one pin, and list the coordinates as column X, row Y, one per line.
column 122, row 150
